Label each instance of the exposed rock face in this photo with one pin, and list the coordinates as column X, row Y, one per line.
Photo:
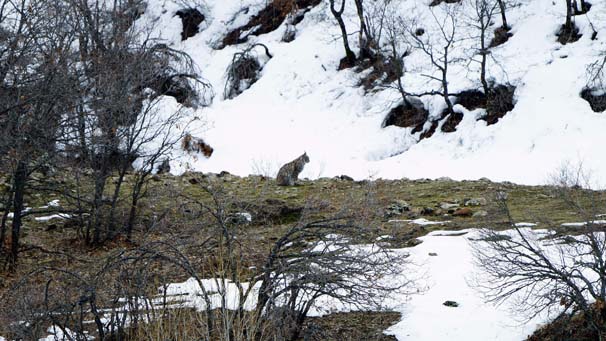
column 269, row 19
column 191, row 19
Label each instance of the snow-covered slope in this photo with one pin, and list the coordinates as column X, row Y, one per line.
column 302, row 103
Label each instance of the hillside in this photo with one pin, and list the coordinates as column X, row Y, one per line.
column 302, row 103
column 446, row 180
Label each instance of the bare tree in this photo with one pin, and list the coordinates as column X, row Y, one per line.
column 116, row 120
column 439, row 51
column 334, row 258
column 481, row 20
column 243, row 70
column 337, row 11
column 34, row 88
column 569, row 32
column 503, row 9
column 585, row 6
column 549, row 271
column 296, row 273
column 398, row 48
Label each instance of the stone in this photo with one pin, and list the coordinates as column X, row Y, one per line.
column 396, row 208
column 344, row 178
column 240, row 218
column 427, row 211
column 433, row 254
column 480, row 214
column 475, row 202
column 452, row 304
column 447, row 206
column 463, row 212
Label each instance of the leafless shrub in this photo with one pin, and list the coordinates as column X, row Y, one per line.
column 548, row 271
column 330, row 260
column 192, row 144
column 243, row 71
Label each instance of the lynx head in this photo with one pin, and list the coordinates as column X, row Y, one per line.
column 304, row 157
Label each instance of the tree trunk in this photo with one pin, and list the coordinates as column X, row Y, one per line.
column 7, row 208
column 19, row 187
column 111, row 225
column 584, row 7
column 100, row 180
column 364, row 43
column 445, row 92
column 505, row 26
column 568, row 24
column 351, row 57
column 483, row 53
column 136, row 195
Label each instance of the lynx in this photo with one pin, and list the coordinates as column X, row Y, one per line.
column 288, row 174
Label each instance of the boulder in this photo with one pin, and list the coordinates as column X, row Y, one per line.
column 463, row 212
column 475, row 202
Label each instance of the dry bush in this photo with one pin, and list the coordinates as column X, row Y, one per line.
column 192, row 144
column 243, row 71
column 558, row 271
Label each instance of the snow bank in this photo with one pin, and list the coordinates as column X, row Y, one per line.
column 449, row 270
column 301, row 103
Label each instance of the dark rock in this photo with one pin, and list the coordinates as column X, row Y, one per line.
column 568, row 34
column 427, row 211
column 452, row 121
column 471, row 99
column 429, row 132
column 346, row 63
column 501, row 36
column 452, row 304
column 396, row 208
column 191, row 19
column 164, row 167
column 344, row 178
column 51, row 227
column 499, row 102
column 407, row 116
column 596, row 100
column 437, row 2
column 269, row 19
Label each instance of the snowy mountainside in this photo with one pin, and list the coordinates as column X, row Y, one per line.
column 302, row 103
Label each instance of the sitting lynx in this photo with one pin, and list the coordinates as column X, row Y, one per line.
column 288, row 174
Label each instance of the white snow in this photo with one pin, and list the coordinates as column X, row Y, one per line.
column 57, row 334
column 52, row 203
column 448, row 274
column 424, row 317
column 301, row 103
column 584, row 223
column 419, row 221
column 247, row 216
column 53, row 216
column 11, row 215
column 524, row 224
